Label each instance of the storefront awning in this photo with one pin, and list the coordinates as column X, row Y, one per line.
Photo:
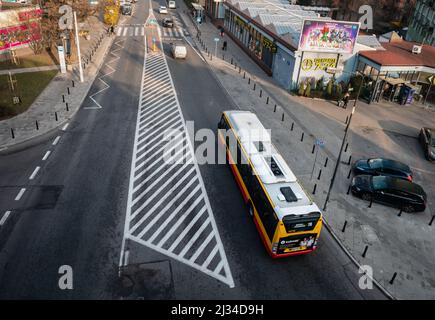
column 197, row 7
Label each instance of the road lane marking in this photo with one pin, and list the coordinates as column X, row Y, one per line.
column 168, row 200
column 4, row 218
column 56, row 140
column 35, row 172
column 46, row 155
column 65, row 127
column 20, row 194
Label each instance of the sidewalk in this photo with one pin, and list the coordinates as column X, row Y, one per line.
column 62, row 98
column 397, row 247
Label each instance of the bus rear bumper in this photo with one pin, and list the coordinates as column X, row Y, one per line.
column 284, row 255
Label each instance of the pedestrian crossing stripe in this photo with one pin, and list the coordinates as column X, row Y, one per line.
column 168, row 209
column 130, row 31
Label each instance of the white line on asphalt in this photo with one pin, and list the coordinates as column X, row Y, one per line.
column 56, row 140
column 202, row 247
column 35, row 172
column 210, row 257
column 4, row 218
column 187, row 247
column 136, row 31
column 185, row 230
column 125, row 31
column 46, row 155
column 20, row 194
column 65, row 127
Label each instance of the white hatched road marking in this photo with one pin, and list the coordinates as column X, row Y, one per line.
column 106, row 86
column 168, row 209
column 4, row 218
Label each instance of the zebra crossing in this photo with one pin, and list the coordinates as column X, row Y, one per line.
column 130, row 31
column 168, row 209
column 176, row 32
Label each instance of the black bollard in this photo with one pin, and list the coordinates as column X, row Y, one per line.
column 431, row 220
column 55, row 115
column 344, row 226
column 302, row 137
column 314, row 148
column 348, row 189
column 67, row 107
column 365, row 251
column 255, row 85
column 371, row 202
column 67, row 89
column 320, row 173
column 400, row 212
column 63, row 98
column 347, row 119
column 293, row 124
column 350, row 172
column 267, row 100
column 394, row 277
column 261, row 92
column 73, row 84
column 326, row 162
column 12, row 133
column 274, row 108
column 350, row 158
column 345, row 148
column 37, row 125
column 282, row 118
column 249, row 80
column 244, row 75
column 315, row 187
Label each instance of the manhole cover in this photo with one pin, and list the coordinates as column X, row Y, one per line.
column 149, row 281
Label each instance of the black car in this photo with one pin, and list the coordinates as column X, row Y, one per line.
column 427, row 140
column 383, row 167
column 168, row 22
column 126, row 9
column 395, row 192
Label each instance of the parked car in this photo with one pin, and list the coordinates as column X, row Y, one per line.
column 163, row 10
column 383, row 167
column 171, row 4
column 126, row 9
column 168, row 22
column 179, row 51
column 395, row 192
column 427, row 140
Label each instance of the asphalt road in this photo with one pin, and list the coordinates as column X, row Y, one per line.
column 73, row 211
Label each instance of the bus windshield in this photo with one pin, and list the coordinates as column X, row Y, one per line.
column 299, row 223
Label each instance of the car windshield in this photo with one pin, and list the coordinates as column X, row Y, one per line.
column 379, row 183
column 375, row 163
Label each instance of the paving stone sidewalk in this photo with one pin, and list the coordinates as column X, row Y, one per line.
column 62, row 98
column 396, row 248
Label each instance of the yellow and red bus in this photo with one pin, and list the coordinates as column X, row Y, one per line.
column 288, row 221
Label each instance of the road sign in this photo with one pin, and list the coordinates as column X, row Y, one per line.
column 320, row 142
column 216, row 39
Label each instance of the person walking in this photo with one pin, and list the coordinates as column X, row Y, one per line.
column 346, row 99
column 224, row 46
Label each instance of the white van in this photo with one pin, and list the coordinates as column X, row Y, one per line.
column 179, row 51
column 171, row 4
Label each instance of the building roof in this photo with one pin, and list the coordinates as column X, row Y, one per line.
column 399, row 53
column 370, row 41
column 278, row 16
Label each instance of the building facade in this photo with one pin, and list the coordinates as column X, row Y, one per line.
column 422, row 25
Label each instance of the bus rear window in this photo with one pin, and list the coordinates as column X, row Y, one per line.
column 299, row 223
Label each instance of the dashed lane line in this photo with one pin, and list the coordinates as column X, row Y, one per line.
column 4, row 218
column 34, row 173
column 20, row 194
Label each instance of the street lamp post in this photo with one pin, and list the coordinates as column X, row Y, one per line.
column 78, row 47
column 342, row 142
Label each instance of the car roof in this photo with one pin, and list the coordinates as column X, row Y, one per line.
column 389, row 163
column 402, row 185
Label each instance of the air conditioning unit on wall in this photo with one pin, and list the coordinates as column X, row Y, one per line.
column 416, row 49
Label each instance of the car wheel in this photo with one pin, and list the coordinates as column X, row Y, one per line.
column 409, row 209
column 366, row 196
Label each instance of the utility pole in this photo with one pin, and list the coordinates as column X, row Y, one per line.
column 78, row 47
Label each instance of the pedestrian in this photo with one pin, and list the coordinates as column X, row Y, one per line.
column 224, row 46
column 346, row 99
column 112, row 30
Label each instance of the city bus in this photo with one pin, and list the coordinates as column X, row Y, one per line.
column 288, row 220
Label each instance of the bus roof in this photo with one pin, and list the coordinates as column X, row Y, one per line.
column 281, row 184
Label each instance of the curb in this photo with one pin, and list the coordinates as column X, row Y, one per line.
column 91, row 80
